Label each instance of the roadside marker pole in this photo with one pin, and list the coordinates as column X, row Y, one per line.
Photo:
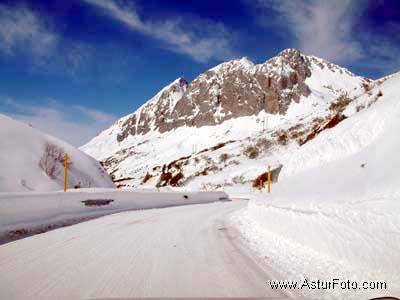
column 65, row 171
column 269, row 179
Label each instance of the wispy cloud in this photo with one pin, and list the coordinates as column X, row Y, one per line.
column 198, row 38
column 334, row 30
column 383, row 56
column 322, row 28
column 21, row 28
column 29, row 36
column 76, row 124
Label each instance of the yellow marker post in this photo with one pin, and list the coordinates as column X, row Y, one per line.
column 66, row 158
column 269, row 179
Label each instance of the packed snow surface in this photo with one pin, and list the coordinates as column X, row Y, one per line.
column 22, row 148
column 335, row 213
column 30, row 211
column 186, row 252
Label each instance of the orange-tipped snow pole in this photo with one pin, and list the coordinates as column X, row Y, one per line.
column 65, row 171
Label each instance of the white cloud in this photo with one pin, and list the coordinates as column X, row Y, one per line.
column 200, row 39
column 28, row 35
column 21, row 28
column 76, row 125
column 322, row 28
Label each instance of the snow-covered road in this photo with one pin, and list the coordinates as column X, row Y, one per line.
column 172, row 252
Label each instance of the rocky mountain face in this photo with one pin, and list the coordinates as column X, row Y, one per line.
column 156, row 113
column 228, row 111
column 230, row 90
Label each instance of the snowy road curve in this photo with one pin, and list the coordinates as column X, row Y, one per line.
column 186, row 251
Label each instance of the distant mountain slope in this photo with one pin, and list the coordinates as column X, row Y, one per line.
column 212, row 125
column 33, row 161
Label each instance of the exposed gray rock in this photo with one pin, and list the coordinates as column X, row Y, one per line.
column 230, row 90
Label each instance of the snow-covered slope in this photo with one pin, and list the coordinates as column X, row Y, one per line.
column 338, row 205
column 212, row 125
column 33, row 161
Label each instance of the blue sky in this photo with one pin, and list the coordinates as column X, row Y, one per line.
column 73, row 67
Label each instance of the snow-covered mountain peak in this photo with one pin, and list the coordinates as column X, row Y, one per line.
column 180, row 81
column 238, row 88
column 245, row 61
column 151, row 113
column 229, row 102
column 243, row 64
column 288, row 52
column 284, row 59
column 177, row 86
column 288, row 56
column 288, row 60
column 322, row 63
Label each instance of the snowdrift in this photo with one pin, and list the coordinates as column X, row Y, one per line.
column 33, row 161
column 336, row 212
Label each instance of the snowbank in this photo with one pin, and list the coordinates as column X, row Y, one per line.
column 338, row 215
column 32, row 211
column 26, row 152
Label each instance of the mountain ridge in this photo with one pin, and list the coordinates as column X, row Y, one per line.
column 287, row 100
column 272, row 85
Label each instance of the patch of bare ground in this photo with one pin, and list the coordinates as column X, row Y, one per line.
column 251, row 151
column 216, row 147
column 340, row 104
column 282, row 137
column 263, row 178
column 332, row 122
column 373, row 100
column 172, row 174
